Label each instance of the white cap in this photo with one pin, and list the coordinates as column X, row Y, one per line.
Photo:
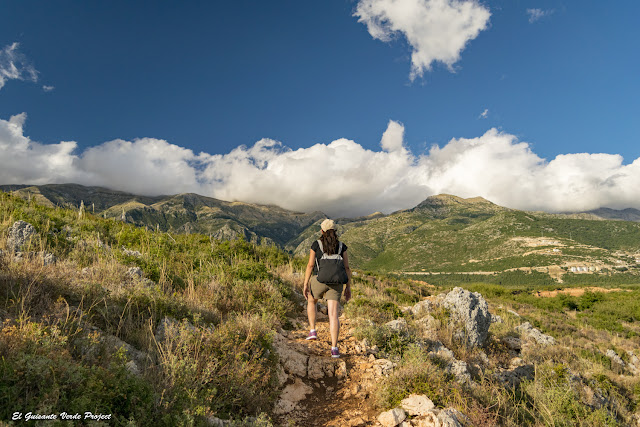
column 327, row 224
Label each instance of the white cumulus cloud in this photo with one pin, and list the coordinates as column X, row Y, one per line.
column 340, row 178
column 15, row 66
column 437, row 30
column 484, row 114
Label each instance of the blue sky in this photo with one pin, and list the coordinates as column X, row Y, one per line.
column 561, row 76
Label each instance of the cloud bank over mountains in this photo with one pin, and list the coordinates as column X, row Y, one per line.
column 341, row 178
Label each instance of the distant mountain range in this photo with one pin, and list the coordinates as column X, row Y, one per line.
column 444, row 232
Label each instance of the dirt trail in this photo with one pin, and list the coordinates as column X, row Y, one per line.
column 576, row 292
column 338, row 397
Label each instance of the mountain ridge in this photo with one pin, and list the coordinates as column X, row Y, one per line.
column 442, row 233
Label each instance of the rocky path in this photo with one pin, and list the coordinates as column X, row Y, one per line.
column 324, row 391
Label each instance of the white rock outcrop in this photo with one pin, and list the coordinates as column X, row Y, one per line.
column 416, row 405
column 532, row 334
column 392, row 418
column 20, row 234
column 471, row 310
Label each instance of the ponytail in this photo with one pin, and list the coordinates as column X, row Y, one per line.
column 329, row 241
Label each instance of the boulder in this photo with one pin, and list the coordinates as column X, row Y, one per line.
column 48, row 258
column 451, row 418
column 399, row 325
column 129, row 252
column 513, row 343
column 460, row 370
column 513, row 377
column 634, row 363
column 532, row 334
column 20, row 234
column 383, row 368
column 423, row 307
column 428, row 326
column 135, row 273
column 392, row 418
column 93, row 340
column 440, row 350
column 615, row 359
column 429, row 419
column 471, row 310
column 417, row 405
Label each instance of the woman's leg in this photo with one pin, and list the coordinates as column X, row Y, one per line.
column 334, row 323
column 311, row 312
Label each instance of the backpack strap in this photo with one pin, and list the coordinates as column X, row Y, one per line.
column 340, row 248
column 321, row 250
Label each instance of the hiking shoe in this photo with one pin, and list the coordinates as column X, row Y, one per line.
column 335, row 352
column 312, row 335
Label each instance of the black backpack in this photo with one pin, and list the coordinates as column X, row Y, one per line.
column 331, row 267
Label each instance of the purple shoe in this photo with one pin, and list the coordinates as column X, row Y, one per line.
column 335, row 352
column 312, row 335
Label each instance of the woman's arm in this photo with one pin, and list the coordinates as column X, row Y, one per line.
column 307, row 274
column 347, row 288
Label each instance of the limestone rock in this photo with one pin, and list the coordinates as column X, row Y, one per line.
column 634, row 363
column 450, row 418
column 514, row 376
column 460, row 370
column 290, row 396
column 48, row 258
column 20, row 234
column 320, row 367
column 383, row 367
column 423, row 307
column 429, row 419
column 440, row 350
column 472, row 311
column 417, row 404
column 399, row 325
column 94, row 340
column 392, row 418
column 533, row 334
column 129, row 252
column 428, row 326
column 513, row 343
column 615, row 359
column 135, row 273
column 323, row 309
column 215, row 422
column 292, row 361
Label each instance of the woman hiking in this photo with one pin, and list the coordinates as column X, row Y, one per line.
column 329, row 256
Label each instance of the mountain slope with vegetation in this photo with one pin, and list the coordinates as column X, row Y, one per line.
column 449, row 234
column 182, row 213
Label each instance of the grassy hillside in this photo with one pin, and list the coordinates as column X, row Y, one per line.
column 446, row 233
column 64, row 326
